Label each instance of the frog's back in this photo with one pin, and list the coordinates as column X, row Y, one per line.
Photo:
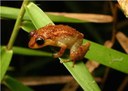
column 57, row 31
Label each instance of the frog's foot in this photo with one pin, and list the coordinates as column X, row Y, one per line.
column 61, row 51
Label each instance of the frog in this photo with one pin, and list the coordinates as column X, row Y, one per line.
column 62, row 36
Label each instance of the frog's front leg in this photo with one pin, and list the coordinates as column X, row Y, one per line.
column 78, row 52
column 61, row 51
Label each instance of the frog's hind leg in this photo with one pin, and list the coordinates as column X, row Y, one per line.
column 77, row 52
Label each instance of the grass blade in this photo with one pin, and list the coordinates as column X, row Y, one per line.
column 108, row 57
column 12, row 13
column 40, row 22
column 15, row 85
column 5, row 61
column 79, row 72
column 82, row 76
column 29, row 52
column 27, row 26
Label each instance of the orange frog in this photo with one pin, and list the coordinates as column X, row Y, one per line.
column 62, row 36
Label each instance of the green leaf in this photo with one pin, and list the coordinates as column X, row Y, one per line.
column 27, row 26
column 6, row 56
column 79, row 72
column 108, row 57
column 35, row 18
column 12, row 13
column 82, row 76
column 29, row 52
column 15, row 85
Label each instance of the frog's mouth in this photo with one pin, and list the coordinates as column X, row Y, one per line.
column 34, row 46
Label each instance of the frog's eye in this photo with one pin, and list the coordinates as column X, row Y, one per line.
column 39, row 41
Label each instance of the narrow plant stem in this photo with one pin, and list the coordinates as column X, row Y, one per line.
column 17, row 25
